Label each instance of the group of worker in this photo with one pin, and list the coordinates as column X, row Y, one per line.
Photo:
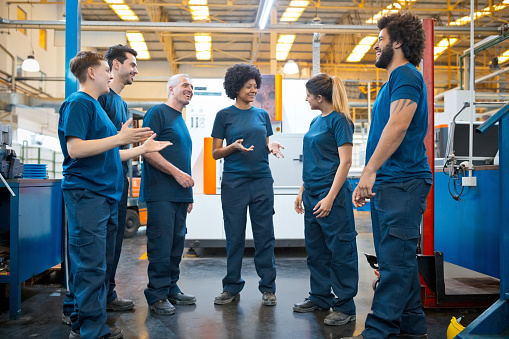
column 94, row 130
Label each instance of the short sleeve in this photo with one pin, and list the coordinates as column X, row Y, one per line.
column 268, row 125
column 343, row 130
column 153, row 121
column 79, row 118
column 218, row 129
column 407, row 84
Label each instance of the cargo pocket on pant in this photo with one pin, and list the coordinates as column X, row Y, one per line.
column 347, row 247
column 401, row 246
column 77, row 252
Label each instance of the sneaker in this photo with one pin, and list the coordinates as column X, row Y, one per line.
column 116, row 333
column 269, row 299
column 226, row 298
column 336, row 318
column 356, row 337
column 411, row 336
column 182, row 299
column 66, row 319
column 306, row 306
column 120, row 304
column 163, row 307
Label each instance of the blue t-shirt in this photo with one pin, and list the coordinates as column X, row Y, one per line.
column 409, row 161
column 116, row 108
column 320, row 150
column 81, row 116
column 252, row 125
column 169, row 125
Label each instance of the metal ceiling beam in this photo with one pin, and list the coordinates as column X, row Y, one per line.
column 222, row 28
column 159, row 14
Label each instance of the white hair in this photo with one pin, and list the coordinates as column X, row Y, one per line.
column 174, row 81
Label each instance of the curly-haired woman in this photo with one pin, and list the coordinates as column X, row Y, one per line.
column 247, row 181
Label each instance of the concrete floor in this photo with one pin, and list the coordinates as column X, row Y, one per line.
column 201, row 276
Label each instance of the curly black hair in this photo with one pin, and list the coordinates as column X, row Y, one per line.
column 406, row 28
column 237, row 75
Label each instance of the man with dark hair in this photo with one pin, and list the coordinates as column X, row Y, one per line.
column 397, row 179
column 166, row 186
column 122, row 62
column 92, row 187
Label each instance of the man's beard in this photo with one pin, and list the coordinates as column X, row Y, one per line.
column 385, row 57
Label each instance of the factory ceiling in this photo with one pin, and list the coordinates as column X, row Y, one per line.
column 172, row 30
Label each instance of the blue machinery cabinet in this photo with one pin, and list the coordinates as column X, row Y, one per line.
column 33, row 220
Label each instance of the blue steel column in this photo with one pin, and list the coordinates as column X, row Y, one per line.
column 503, row 146
column 72, row 42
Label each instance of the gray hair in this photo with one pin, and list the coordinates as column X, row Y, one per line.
column 174, row 81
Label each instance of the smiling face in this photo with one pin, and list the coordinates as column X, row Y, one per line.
column 128, row 70
column 312, row 100
column 384, row 50
column 102, row 76
column 183, row 92
column 247, row 93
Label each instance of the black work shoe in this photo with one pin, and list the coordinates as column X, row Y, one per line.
column 115, row 333
column 226, row 298
column 120, row 304
column 66, row 319
column 306, row 306
column 269, row 299
column 182, row 299
column 163, row 307
column 336, row 318
column 411, row 336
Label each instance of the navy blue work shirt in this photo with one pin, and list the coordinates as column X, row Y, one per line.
column 82, row 116
column 320, row 150
column 169, row 125
column 116, row 108
column 252, row 125
column 409, row 161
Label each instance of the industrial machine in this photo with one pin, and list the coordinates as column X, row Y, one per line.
column 10, row 166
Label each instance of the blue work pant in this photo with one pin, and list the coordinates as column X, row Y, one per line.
column 396, row 215
column 236, row 196
column 115, row 239
column 88, row 217
column 166, row 232
column 332, row 252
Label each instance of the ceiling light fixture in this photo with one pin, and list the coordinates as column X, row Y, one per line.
column 30, row 64
column 361, row 49
column 294, row 10
column 291, row 67
column 263, row 13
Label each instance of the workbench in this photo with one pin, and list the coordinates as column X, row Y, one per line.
column 33, row 221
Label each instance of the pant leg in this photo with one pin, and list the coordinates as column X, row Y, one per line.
column 177, row 247
column 161, row 216
column 68, row 304
column 87, row 252
column 318, row 255
column 234, row 201
column 118, row 240
column 261, row 212
column 340, row 236
column 398, row 210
